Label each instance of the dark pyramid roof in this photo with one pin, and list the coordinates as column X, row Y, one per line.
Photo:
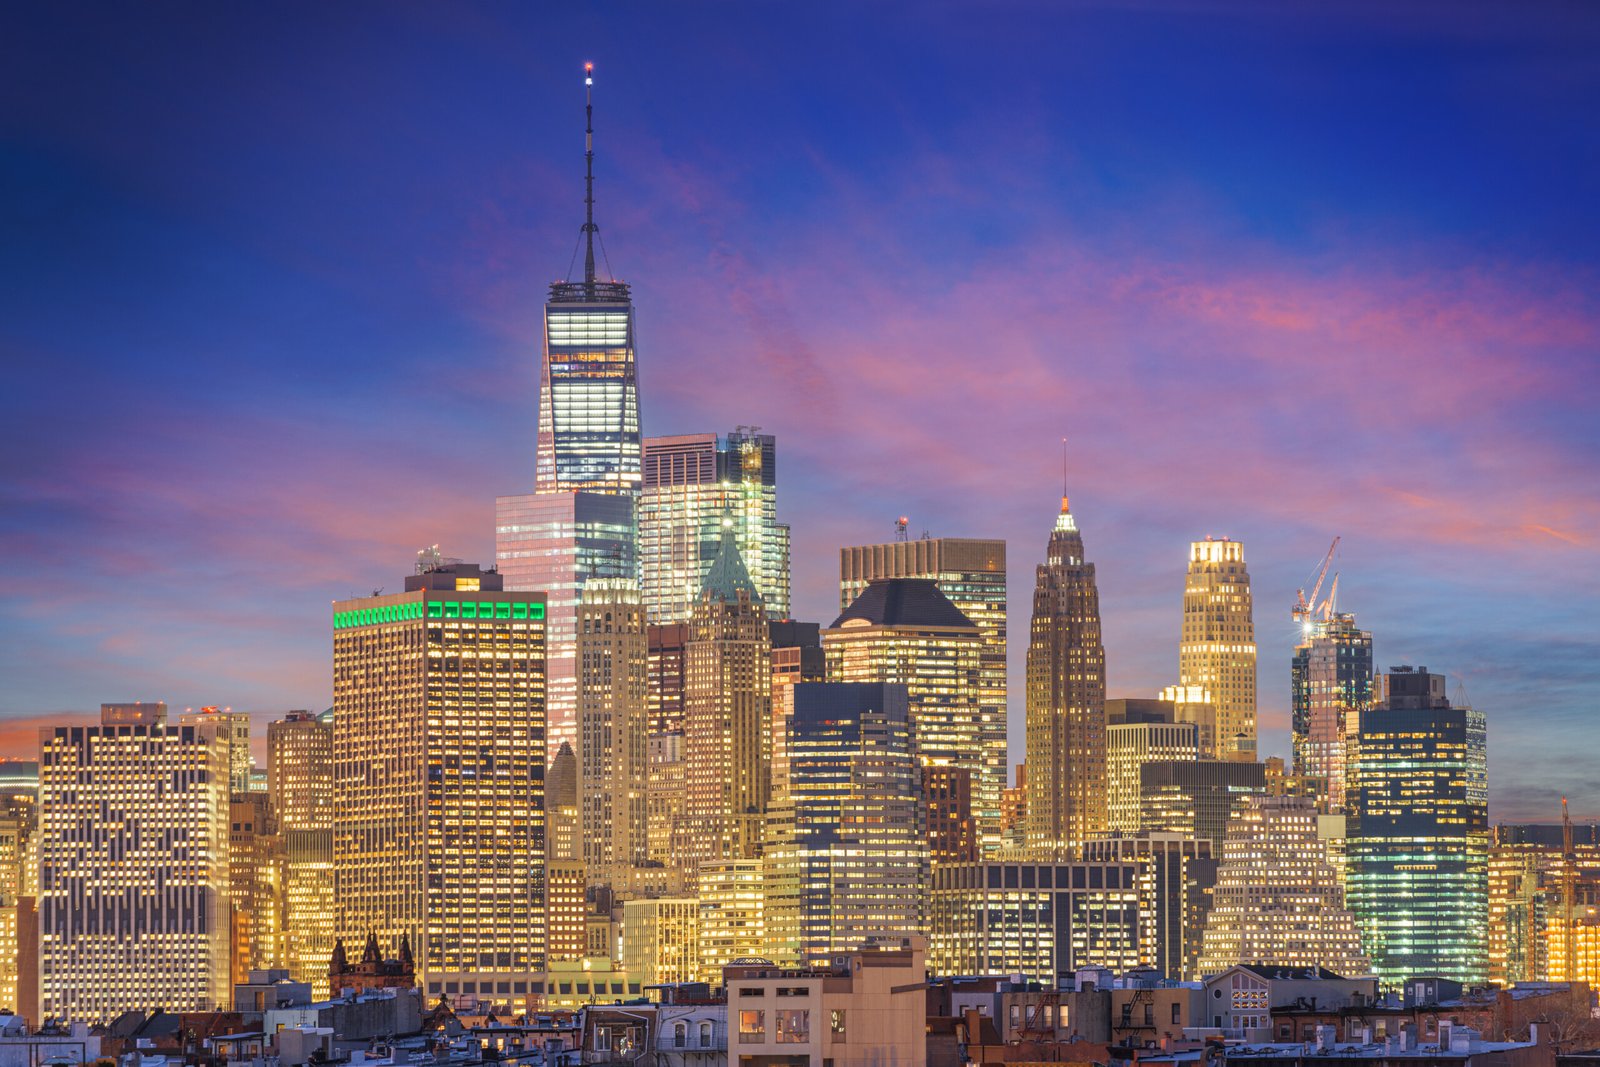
column 904, row 602
column 728, row 574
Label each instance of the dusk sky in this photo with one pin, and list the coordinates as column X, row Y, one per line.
column 272, row 277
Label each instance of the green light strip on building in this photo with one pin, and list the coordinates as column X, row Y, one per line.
column 438, row 609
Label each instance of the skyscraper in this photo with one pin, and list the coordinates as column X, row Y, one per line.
column 133, row 865
column 19, row 886
column 300, row 786
column 1528, row 870
column 1196, row 798
column 1218, row 646
column 1140, row 732
column 613, row 664
column 1066, row 713
column 727, row 729
column 255, row 885
column 694, row 486
column 971, row 573
column 1331, row 676
column 1277, row 900
column 860, row 841
column 905, row 631
column 580, row 522
column 439, row 758
column 1417, row 842
column 234, row 729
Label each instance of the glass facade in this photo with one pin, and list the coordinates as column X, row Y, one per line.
column 971, row 573
column 555, row 543
column 693, row 485
column 1418, row 835
column 1331, row 677
column 589, row 439
column 859, row 840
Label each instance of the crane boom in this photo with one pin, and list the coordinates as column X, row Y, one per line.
column 1301, row 612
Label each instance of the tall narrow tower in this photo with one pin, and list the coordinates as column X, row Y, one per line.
column 727, row 717
column 1066, row 709
column 1218, row 647
column 580, row 521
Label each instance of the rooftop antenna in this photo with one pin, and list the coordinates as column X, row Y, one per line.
column 1064, row 475
column 589, row 228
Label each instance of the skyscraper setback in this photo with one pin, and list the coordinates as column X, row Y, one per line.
column 1066, row 713
column 1218, row 646
column 580, row 522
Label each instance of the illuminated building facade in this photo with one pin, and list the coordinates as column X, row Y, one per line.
column 234, row 729
column 1527, row 896
column 1331, row 677
column 300, row 786
column 661, row 939
column 255, row 862
column 1140, row 732
column 1277, row 900
column 694, row 486
column 1196, row 798
column 1217, row 651
column 664, row 804
column 1191, row 703
column 439, row 759
column 971, row 573
column 613, row 699
column 667, row 673
column 860, row 838
column 1014, row 811
column 1417, row 844
column 1066, row 713
column 555, row 544
column 19, row 886
column 133, row 865
column 732, row 923
column 796, row 657
column 727, row 735
column 566, row 911
column 905, row 631
column 1040, row 920
column 947, row 797
column 563, row 821
column 1176, row 878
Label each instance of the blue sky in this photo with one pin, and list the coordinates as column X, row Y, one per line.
column 271, row 285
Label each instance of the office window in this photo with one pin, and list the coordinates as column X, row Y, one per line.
column 836, row 1021
column 752, row 1027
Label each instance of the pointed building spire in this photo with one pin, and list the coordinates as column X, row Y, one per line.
column 371, row 954
column 589, row 228
column 728, row 574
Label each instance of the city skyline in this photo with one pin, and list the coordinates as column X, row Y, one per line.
column 1450, row 346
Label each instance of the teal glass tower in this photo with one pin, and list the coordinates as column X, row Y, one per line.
column 1417, row 845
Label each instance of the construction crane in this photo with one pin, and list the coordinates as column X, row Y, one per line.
column 1303, row 608
column 1569, row 895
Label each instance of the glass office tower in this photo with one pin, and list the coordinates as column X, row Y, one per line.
column 1331, row 675
column 694, row 486
column 1417, row 844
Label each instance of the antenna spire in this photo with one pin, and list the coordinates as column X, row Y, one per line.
column 1064, row 506
column 589, row 228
